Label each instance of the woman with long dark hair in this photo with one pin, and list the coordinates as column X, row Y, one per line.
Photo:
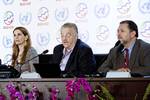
column 23, row 52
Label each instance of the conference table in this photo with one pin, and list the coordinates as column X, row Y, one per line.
column 120, row 88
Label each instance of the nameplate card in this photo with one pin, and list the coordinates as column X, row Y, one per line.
column 118, row 74
column 30, row 75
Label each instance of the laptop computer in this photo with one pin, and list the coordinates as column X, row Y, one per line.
column 47, row 70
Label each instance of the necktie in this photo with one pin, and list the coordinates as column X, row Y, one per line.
column 126, row 57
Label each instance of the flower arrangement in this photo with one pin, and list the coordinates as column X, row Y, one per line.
column 53, row 93
column 16, row 92
column 73, row 86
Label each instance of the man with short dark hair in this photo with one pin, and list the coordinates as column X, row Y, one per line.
column 131, row 55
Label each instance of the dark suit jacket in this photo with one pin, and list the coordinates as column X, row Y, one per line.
column 139, row 59
column 80, row 61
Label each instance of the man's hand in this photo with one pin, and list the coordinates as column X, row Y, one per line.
column 123, row 69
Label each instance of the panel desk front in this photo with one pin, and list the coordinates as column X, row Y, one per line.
column 120, row 88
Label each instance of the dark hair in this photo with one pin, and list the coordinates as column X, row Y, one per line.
column 70, row 25
column 131, row 25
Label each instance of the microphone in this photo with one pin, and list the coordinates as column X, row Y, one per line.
column 44, row 52
column 117, row 43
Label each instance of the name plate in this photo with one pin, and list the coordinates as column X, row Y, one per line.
column 30, row 75
column 118, row 74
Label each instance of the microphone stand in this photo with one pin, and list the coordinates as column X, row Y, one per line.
column 20, row 65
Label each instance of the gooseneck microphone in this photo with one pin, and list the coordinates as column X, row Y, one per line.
column 44, row 52
column 20, row 65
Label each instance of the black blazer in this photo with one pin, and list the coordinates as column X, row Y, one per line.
column 81, row 60
column 139, row 60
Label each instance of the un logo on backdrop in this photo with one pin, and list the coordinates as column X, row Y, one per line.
column 43, row 38
column 8, row 2
column 61, row 14
column 102, row 10
column 84, row 35
column 144, row 6
column 25, row 18
column 7, row 41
